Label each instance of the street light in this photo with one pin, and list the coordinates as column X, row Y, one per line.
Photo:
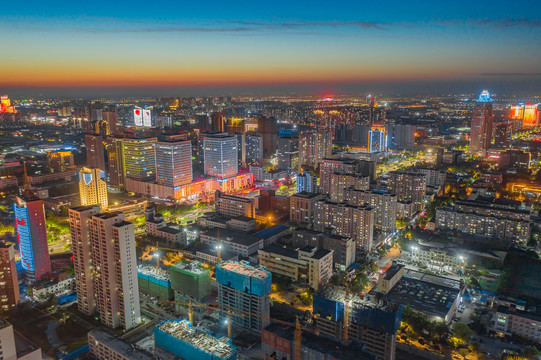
column 157, row 256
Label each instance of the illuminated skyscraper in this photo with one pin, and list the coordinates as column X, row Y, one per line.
column 5, row 105
column 254, row 150
column 377, row 139
column 139, row 159
column 92, row 187
column 32, row 236
column 174, row 161
column 115, row 162
column 95, row 154
column 221, row 156
column 481, row 125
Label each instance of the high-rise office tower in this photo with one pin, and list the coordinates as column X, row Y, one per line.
column 200, row 139
column 82, row 258
column 502, row 134
column 174, row 161
column 115, row 162
column 245, row 287
column 92, row 187
column 32, row 236
column 59, row 161
column 400, row 136
column 254, row 150
column 288, row 153
column 481, row 125
column 95, row 155
column 268, row 129
column 114, row 264
column 9, row 290
column 139, row 159
column 314, row 145
column 241, row 149
column 220, row 156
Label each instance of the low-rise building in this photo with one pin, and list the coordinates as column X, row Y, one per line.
column 103, row 345
column 171, row 233
column 511, row 321
column 234, row 241
column 342, row 247
column 307, row 264
column 501, row 218
column 42, row 291
column 233, row 206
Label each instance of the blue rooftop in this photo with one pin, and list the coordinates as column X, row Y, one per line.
column 273, row 230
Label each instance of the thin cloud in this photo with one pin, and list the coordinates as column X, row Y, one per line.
column 508, row 23
column 511, row 74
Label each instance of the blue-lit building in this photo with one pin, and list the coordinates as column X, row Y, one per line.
column 307, row 182
column 245, row 287
column 182, row 340
column 32, row 237
column 377, row 139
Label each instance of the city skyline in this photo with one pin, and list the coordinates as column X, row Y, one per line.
column 244, row 48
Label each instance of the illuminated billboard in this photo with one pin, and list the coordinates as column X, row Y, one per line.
column 517, row 111
column 531, row 115
column 147, row 118
column 138, row 116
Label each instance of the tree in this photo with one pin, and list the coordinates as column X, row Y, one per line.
column 530, row 351
column 462, row 331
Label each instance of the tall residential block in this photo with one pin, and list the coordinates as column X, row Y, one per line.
column 174, row 161
column 82, row 257
column 314, row 145
column 409, row 186
column 32, row 236
column 302, row 207
column 244, row 287
column 114, row 270
column 342, row 219
column 9, row 291
column 328, row 167
column 92, row 187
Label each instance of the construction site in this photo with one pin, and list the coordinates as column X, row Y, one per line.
column 181, row 339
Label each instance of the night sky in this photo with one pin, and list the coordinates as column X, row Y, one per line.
column 273, row 46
